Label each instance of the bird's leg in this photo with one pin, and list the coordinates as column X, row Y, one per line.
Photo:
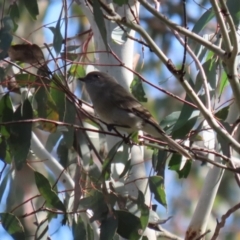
column 125, row 138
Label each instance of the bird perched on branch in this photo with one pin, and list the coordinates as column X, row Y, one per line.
column 117, row 107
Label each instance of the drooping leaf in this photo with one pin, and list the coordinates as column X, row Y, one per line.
column 32, row 8
column 5, row 154
column 59, row 100
column 52, row 140
column 47, row 192
column 79, row 230
column 129, row 226
column 137, row 90
column 2, row 74
column 62, row 152
column 57, row 36
column 6, row 115
column 108, row 228
column 203, row 21
column 20, row 133
column 159, row 159
column 185, row 122
column 12, row 225
column 223, row 82
column 107, row 162
column 144, row 218
column 24, row 80
column 99, row 20
column 209, row 68
column 222, row 113
column 95, row 201
column 156, row 185
column 234, row 9
column 176, row 165
column 5, row 42
column 14, row 14
column 69, row 117
column 126, row 169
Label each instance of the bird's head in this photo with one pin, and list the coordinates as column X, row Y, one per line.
column 96, row 78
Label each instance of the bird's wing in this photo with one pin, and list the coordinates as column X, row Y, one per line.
column 126, row 101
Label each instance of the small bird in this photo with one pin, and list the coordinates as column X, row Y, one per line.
column 117, row 107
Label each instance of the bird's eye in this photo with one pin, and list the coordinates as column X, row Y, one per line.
column 96, row 75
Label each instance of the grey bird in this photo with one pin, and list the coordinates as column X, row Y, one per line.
column 116, row 106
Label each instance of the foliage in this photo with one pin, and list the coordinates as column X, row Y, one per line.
column 37, row 101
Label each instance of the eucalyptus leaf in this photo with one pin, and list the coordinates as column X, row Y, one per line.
column 12, row 225
column 20, row 133
column 47, row 192
column 156, row 185
column 32, row 8
column 108, row 228
column 99, row 20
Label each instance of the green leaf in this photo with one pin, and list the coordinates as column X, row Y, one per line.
column 47, row 193
column 156, row 185
column 129, row 225
column 5, row 42
column 159, row 159
column 62, row 152
column 99, row 20
column 20, row 138
column 120, row 2
column 95, row 202
column 234, row 9
column 52, row 140
column 137, row 90
column 223, row 82
column 184, row 172
column 107, row 162
column 90, row 232
column 144, row 210
column 222, row 113
column 185, row 122
column 79, row 230
column 169, row 121
column 57, row 36
column 14, row 14
column 24, row 79
column 77, row 70
column 58, row 97
column 209, row 68
column 108, row 228
column 203, row 21
column 2, row 74
column 175, row 164
column 126, row 169
column 6, row 115
column 12, row 225
column 5, row 154
column 32, row 8
column 69, row 117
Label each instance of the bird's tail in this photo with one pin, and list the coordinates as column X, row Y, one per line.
column 173, row 144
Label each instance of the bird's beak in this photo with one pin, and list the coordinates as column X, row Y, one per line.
column 81, row 79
